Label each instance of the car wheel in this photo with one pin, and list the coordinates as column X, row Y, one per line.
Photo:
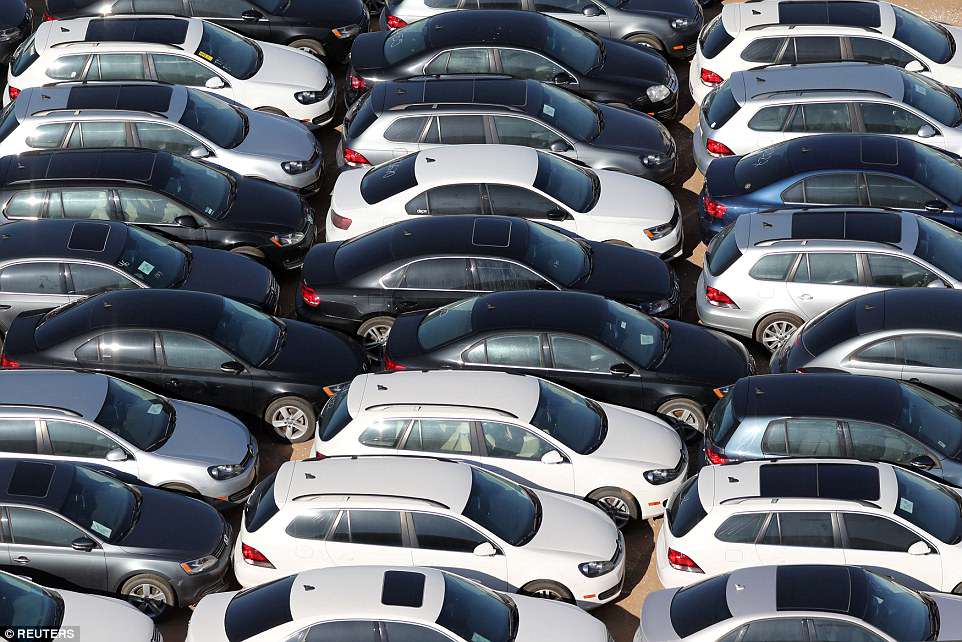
column 149, row 593
column 619, row 504
column 374, row 332
column 271, row 110
column 548, row 590
column 618, row 242
column 312, row 47
column 249, row 252
column 685, row 410
column 646, row 41
column 776, row 329
column 183, row 489
column 291, row 418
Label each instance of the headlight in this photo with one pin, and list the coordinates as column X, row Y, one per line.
column 330, row 391
column 657, row 93
column 596, row 569
column 283, row 240
column 346, row 32
column 656, row 306
column 654, row 160
column 659, row 231
column 661, row 476
column 199, row 565
column 296, row 167
column 309, row 97
column 680, row 23
column 227, row 471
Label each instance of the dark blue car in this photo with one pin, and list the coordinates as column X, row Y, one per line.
column 834, row 169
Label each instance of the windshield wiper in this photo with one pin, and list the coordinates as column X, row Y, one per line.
column 665, row 346
column 281, row 340
column 188, row 258
column 135, row 514
column 601, row 122
column 933, row 616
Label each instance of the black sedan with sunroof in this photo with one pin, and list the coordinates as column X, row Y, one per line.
column 359, row 286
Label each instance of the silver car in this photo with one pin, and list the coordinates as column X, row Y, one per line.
column 177, row 119
column 108, row 423
column 769, row 272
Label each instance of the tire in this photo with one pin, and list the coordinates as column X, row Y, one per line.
column 271, row 110
column 776, row 329
column 310, row 46
column 618, row 242
column 183, row 489
column 685, row 410
column 621, row 507
column 250, row 252
column 150, row 594
column 294, row 417
column 646, row 40
column 378, row 328
column 548, row 590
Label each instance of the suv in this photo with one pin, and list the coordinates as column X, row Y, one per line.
column 768, row 272
column 765, row 32
column 183, row 121
column 179, row 51
column 793, row 511
column 756, row 109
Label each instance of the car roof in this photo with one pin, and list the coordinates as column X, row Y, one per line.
column 910, row 308
column 851, row 151
column 449, row 164
column 81, row 393
column 864, row 225
column 167, row 101
column 492, row 27
column 82, row 33
column 869, row 15
column 501, row 92
column 798, row 80
column 131, row 165
column 63, row 238
column 560, row 311
column 35, row 483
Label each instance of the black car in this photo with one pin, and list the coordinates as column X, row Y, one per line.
column 325, row 29
column 183, row 199
column 360, row 285
column 194, row 346
column 521, row 44
column 73, row 527
column 595, row 346
column 16, row 23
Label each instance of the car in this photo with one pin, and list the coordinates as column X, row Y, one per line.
column 31, row 607
column 381, row 603
column 788, row 32
column 52, row 262
column 671, row 28
column 194, row 346
column 520, row 44
column 593, row 346
column 842, row 170
column 761, row 107
column 178, row 198
column 74, row 527
column 412, row 511
column 398, row 117
column 769, row 272
column 909, row 334
column 181, row 120
column 323, row 29
column 837, row 415
column 16, row 23
column 180, row 51
column 510, row 180
column 527, row 429
column 798, row 602
column 361, row 285
column 104, row 422
column 883, row 517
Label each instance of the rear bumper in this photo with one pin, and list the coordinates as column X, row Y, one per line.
column 302, row 312
column 736, row 321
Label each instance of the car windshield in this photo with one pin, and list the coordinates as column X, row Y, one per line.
column 25, row 55
column 932, row 98
column 633, row 334
column 508, row 510
column 101, row 504
column 141, row 417
column 389, row 179
column 932, row 419
column 204, row 189
column 939, row 172
column 577, row 422
column 930, row 506
column 577, row 188
column 152, row 260
column 571, row 114
column 559, row 257
column 236, row 55
column 446, row 324
column 261, row 608
column 214, row 119
column 898, row 611
column 930, row 39
column 940, row 246
column 24, row 604
column 406, row 41
column 251, row 335
column 573, row 47
column 475, row 613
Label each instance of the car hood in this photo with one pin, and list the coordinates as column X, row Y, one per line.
column 627, row 274
column 950, row 615
column 704, row 355
column 685, row 8
column 276, row 137
column 289, row 67
column 637, row 437
column 232, row 275
column 113, row 620
column 316, row 355
column 334, row 14
column 12, row 13
column 206, row 435
column 632, row 65
column 367, row 52
column 160, row 527
column 632, row 131
column 207, row 621
column 266, row 207
column 630, row 197
column 570, row 525
column 540, row 620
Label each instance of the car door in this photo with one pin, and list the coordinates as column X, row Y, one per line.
column 891, row 271
column 767, row 126
column 78, row 442
column 880, row 544
column 934, row 360
column 799, row 537
column 513, row 200
column 822, row 280
column 198, row 370
column 881, row 358
column 803, row 437
column 98, row 134
column 41, row 549
column 881, row 52
column 181, row 70
column 499, row 275
column 430, row 283
column 783, row 629
column 527, row 132
column 468, row 129
column 887, row 190
column 160, row 214
column 584, row 13
column 368, row 536
column 528, row 64
column 465, row 60
column 519, row 454
column 131, row 354
column 30, row 285
column 19, row 437
column 876, row 442
column 595, row 371
column 165, row 138
column 306, row 547
column 828, row 188
column 446, row 200
column 449, row 544
column 237, row 15
column 342, row 630
column 80, row 203
column 117, row 67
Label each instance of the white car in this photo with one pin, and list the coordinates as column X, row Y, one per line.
column 509, row 180
column 408, row 511
column 522, row 427
column 385, row 604
column 28, row 608
column 765, row 32
column 178, row 51
column 813, row 511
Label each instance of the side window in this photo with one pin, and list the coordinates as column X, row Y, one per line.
column 406, row 130
column 763, row 50
column 524, row 64
column 148, row 208
column 816, row 49
column 48, row 136
column 511, row 200
column 165, row 138
column 806, row 529
column 874, row 50
column 27, row 204
column 741, row 529
column 832, row 269
column 375, row 527
column 831, row 189
column 67, row 67
column 897, row 272
column 469, row 61
column 571, row 353
column 885, row 351
column 494, row 275
column 781, row 629
column 220, row 8
column 69, row 439
column 18, row 436
column 455, row 199
column 79, row 204
column 840, row 631
column 404, row 632
column 462, row 130
column 340, row 631
column 418, row 206
column 821, row 118
column 881, row 443
column 32, row 278
column 511, row 442
column 560, row 6
column 874, row 533
column 439, row 65
column 383, row 433
column 889, row 119
column 127, row 348
column 440, row 436
column 92, row 279
column 312, row 525
column 438, row 274
column 773, row 267
column 181, row 71
column 892, row 191
column 770, row 119
column 810, row 438
column 795, row 193
column 185, row 352
column 441, row 533
column 37, row 528
column 514, row 350
column 117, row 67
column 98, row 134
column 514, row 130
column 932, row 351
column 477, row 354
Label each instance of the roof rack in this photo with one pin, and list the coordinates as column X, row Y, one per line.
column 821, row 90
column 789, row 241
column 441, row 405
column 98, row 43
column 76, row 111
column 310, row 496
column 769, row 25
column 459, row 104
column 775, row 500
column 31, row 406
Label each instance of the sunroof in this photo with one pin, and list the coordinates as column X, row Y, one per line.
column 154, row 98
column 403, row 588
column 813, row 588
column 31, row 479
column 880, row 150
column 491, row 232
column 500, row 92
column 168, row 31
column 835, row 12
column 89, row 237
column 827, row 481
column 818, row 225
column 883, row 227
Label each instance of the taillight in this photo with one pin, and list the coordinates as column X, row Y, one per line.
column 309, row 295
column 393, row 22
column 254, row 557
column 714, row 457
column 7, row 362
column 718, row 149
column 13, row 91
column 357, row 83
column 340, row 222
column 710, row 78
column 47, row 17
column 393, row 366
column 352, row 157
column 319, row 456
column 713, row 208
column 681, row 562
column 718, row 298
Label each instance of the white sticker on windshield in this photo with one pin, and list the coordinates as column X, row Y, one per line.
column 905, row 505
column 548, row 110
column 209, row 211
column 155, row 409
column 646, row 339
column 942, row 444
column 100, row 529
column 145, row 267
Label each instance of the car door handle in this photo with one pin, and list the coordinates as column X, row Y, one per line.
column 4, row 307
column 173, row 382
column 914, row 380
column 22, row 559
column 806, row 297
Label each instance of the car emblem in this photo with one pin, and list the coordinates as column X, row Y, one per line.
column 226, row 539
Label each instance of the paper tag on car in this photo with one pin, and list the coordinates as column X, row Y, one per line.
column 548, row 110
column 905, row 505
column 206, row 56
column 646, row 339
column 155, row 409
column 100, row 529
column 145, row 267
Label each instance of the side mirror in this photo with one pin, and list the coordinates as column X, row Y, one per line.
column 621, row 369
column 199, row 152
column 83, row 544
column 559, row 146
column 927, row 131
column 923, row 461
column 557, row 215
column 116, row 454
column 937, row 283
column 252, row 15
column 215, row 82
column 591, row 11
column 232, row 367
column 563, row 78
column 915, row 65
column 935, row 206
column 919, row 548
column 187, row 221
column 552, row 457
column 485, row 549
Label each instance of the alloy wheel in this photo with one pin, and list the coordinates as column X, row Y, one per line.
column 290, row 422
column 375, row 336
column 616, row 508
column 777, row 333
column 148, row 599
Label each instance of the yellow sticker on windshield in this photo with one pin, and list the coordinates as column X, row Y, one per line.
column 205, row 55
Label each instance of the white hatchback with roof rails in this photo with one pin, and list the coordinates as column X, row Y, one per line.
column 522, row 427
column 804, row 511
column 418, row 511
column 765, row 32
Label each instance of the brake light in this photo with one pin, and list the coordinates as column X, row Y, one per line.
column 309, row 295
column 254, row 557
column 340, row 222
column 718, row 149
column 357, row 83
column 393, row 366
column 7, row 362
column 354, row 158
column 718, row 298
column 710, row 78
column 713, row 208
column 319, row 456
column 47, row 17
column 393, row 22
column 681, row 562
column 714, row 457
column 13, row 91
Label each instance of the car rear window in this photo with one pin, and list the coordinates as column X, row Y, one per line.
column 831, row 329
column 334, row 416
column 25, row 55
column 722, row 251
column 384, row 181
column 259, row 609
column 360, row 116
column 684, row 511
column 722, row 421
column 700, row 606
column 8, row 120
column 446, row 324
column 715, row 38
column 260, row 505
column 720, row 106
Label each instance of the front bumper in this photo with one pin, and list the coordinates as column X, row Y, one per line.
column 189, row 589
column 236, row 491
column 290, row 257
column 594, row 592
column 316, row 114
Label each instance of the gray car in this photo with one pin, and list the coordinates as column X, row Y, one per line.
column 397, row 118
column 108, row 423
